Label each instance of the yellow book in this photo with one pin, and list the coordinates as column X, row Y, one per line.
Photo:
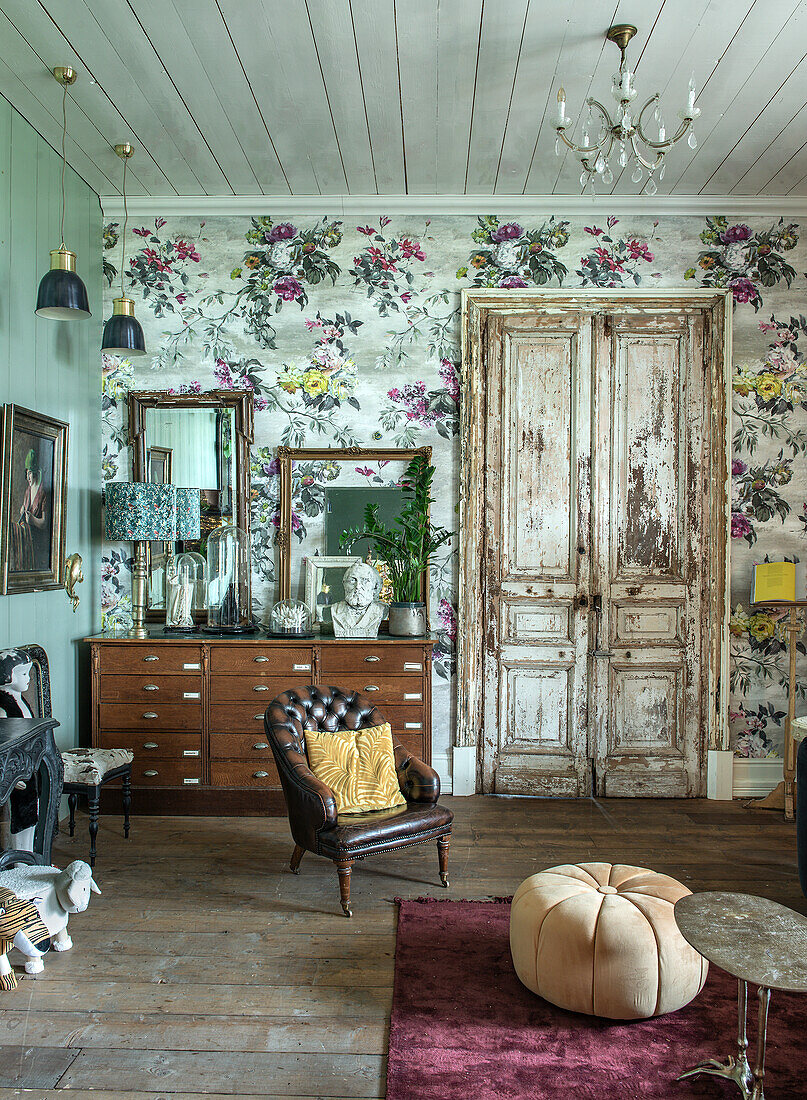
column 777, row 582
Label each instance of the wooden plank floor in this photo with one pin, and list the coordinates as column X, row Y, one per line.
column 206, row 969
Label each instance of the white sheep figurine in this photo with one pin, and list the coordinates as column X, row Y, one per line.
column 56, row 894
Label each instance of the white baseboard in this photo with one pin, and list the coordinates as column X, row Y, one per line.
column 463, row 769
column 441, row 762
column 719, row 774
column 755, row 777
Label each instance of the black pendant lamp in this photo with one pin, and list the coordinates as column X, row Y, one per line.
column 62, row 295
column 123, row 334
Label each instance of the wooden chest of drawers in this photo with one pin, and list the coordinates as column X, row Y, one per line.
column 192, row 712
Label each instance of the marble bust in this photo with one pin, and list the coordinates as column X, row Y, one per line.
column 360, row 613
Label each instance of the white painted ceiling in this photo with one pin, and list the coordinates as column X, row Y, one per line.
column 400, row 97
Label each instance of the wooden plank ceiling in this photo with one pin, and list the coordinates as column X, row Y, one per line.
column 401, row 97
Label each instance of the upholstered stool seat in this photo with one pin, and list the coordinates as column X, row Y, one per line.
column 601, row 938
column 89, row 766
column 85, row 772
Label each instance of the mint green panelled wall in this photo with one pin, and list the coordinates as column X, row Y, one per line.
column 53, row 367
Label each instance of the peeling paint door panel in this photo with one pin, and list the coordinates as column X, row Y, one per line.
column 649, row 554
column 537, row 556
column 594, row 577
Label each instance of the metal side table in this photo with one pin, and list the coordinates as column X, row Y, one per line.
column 754, row 940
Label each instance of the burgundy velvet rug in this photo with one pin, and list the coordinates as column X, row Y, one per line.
column 464, row 1028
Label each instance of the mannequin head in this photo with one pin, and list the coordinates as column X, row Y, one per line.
column 15, row 670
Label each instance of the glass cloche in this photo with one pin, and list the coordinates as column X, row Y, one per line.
column 289, row 618
column 229, row 593
column 186, row 590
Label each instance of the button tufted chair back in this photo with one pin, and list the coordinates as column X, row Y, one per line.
column 317, row 708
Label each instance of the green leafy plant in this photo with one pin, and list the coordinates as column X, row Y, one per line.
column 410, row 546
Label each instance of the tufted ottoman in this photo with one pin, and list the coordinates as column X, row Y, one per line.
column 601, row 938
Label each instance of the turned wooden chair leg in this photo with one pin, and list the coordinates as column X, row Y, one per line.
column 72, row 799
column 442, row 855
column 296, row 857
column 343, row 867
column 127, row 800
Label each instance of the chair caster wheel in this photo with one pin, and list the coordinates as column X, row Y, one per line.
column 444, row 881
column 347, row 910
column 295, row 870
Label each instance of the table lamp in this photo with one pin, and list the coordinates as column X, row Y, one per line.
column 141, row 512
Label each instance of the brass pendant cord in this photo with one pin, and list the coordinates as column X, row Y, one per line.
column 123, row 234
column 64, row 136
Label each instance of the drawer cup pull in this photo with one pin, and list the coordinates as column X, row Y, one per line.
column 151, row 714
column 151, row 773
column 150, row 687
column 261, row 745
column 151, row 657
column 260, row 687
column 370, row 687
column 260, row 775
column 371, row 659
column 261, row 660
column 150, row 745
column 258, row 717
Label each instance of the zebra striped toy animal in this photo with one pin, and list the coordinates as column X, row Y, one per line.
column 22, row 927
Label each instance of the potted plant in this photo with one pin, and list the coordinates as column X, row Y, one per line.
column 408, row 549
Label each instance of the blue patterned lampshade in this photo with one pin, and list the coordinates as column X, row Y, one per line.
column 189, row 514
column 140, row 511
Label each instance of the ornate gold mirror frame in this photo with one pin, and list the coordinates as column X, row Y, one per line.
column 241, row 401
column 286, row 456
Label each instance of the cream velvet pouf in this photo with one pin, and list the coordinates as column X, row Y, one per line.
column 601, row 938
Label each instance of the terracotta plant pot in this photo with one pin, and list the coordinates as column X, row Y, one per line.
column 407, row 619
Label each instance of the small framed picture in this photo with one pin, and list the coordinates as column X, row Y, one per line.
column 159, row 465
column 323, row 586
column 33, row 501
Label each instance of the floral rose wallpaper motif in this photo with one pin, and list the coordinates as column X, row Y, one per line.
column 347, row 332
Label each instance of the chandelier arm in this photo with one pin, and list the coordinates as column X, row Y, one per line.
column 668, row 142
column 650, row 165
column 604, row 112
column 583, row 150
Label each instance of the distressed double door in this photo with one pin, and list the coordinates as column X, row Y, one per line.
column 595, row 570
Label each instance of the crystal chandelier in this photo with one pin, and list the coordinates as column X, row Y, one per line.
column 600, row 133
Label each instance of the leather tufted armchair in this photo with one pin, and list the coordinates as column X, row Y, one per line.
column 315, row 824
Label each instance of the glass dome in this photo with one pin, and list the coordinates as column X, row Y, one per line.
column 229, row 594
column 186, row 590
column 290, row 617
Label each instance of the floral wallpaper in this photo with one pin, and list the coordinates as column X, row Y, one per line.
column 347, row 332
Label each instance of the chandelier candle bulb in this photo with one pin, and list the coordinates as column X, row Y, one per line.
column 562, row 120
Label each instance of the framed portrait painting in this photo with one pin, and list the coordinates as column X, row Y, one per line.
column 33, row 501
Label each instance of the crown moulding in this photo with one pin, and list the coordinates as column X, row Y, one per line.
column 426, row 205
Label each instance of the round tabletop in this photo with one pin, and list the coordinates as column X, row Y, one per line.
column 756, row 940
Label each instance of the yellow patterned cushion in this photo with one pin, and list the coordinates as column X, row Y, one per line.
column 358, row 766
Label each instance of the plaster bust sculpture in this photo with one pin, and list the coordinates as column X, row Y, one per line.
column 360, row 613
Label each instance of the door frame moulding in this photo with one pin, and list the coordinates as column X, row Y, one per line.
column 477, row 306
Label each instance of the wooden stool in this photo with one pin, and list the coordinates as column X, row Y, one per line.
column 86, row 771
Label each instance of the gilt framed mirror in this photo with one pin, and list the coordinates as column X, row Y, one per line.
column 207, row 436
column 323, row 492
